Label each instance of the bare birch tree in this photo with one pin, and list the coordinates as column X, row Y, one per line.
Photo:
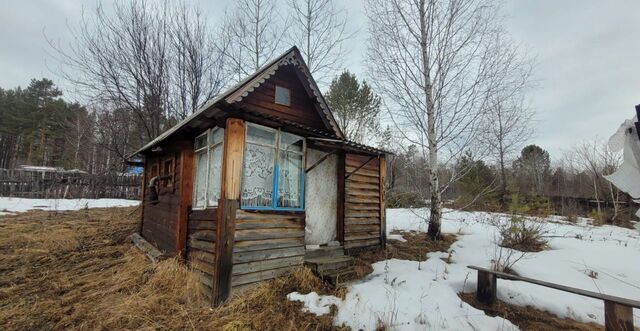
column 253, row 34
column 437, row 64
column 319, row 29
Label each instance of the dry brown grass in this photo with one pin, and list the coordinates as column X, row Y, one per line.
column 77, row 270
column 528, row 318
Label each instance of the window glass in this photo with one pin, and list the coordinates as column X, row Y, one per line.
column 215, row 175
column 217, row 136
column 289, row 180
column 261, row 135
column 201, row 179
column 283, row 96
column 257, row 188
column 272, row 174
column 291, row 142
column 201, row 142
column 208, row 174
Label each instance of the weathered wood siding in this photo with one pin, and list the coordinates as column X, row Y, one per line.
column 159, row 222
column 266, row 246
column 201, row 245
column 362, row 207
column 302, row 109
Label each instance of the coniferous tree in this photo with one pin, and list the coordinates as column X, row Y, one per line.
column 533, row 169
column 356, row 107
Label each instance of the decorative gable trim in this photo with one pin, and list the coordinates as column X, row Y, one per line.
column 294, row 58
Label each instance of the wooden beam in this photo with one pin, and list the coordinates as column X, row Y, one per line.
column 233, row 155
column 232, row 158
column 360, row 167
column 617, row 317
column 341, row 196
column 142, row 198
column 383, row 221
column 324, row 157
column 224, row 250
column 591, row 294
column 185, row 192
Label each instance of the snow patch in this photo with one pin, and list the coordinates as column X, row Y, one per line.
column 412, row 295
column 18, row 205
column 314, row 303
column 397, row 237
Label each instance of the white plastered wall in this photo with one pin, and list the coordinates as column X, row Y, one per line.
column 321, row 198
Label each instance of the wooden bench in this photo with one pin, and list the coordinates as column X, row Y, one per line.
column 618, row 312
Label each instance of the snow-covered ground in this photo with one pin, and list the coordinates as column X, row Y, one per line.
column 409, row 295
column 17, row 205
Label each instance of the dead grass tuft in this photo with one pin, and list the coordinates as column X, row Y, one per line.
column 77, row 270
column 415, row 248
column 528, row 318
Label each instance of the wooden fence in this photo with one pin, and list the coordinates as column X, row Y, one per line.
column 58, row 185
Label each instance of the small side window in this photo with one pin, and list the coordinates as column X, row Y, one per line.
column 167, row 170
column 283, row 96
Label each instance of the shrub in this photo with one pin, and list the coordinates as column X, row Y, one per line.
column 395, row 199
column 522, row 234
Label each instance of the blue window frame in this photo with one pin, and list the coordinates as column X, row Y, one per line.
column 273, row 173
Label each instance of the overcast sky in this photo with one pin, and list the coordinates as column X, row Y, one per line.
column 588, row 71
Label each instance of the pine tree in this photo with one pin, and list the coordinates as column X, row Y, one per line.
column 356, row 107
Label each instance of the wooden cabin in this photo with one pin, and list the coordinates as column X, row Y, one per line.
column 259, row 180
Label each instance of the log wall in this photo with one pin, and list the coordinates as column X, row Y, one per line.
column 159, row 221
column 363, row 212
column 266, row 246
column 201, row 246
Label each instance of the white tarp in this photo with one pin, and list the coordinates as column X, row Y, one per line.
column 627, row 177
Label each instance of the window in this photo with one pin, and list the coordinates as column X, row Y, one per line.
column 283, row 96
column 208, row 161
column 273, row 174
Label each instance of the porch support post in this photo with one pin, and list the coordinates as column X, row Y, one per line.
column 341, row 196
column 228, row 204
column 185, row 192
column 383, row 221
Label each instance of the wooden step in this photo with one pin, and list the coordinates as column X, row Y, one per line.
column 337, row 276
column 324, row 251
column 327, row 264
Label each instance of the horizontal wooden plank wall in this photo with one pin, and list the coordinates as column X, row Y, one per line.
column 362, row 214
column 160, row 219
column 201, row 244
column 266, row 246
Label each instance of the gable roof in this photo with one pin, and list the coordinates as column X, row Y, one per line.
column 249, row 84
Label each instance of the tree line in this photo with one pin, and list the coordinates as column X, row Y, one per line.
column 445, row 88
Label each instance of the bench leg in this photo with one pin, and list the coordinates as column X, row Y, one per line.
column 617, row 317
column 486, row 292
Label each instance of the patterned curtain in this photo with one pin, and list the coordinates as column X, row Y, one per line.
column 257, row 181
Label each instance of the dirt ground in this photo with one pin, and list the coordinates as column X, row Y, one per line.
column 77, row 270
column 528, row 318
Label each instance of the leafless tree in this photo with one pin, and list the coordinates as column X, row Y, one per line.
column 507, row 126
column 596, row 158
column 253, row 34
column 198, row 65
column 151, row 64
column 438, row 64
column 319, row 29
